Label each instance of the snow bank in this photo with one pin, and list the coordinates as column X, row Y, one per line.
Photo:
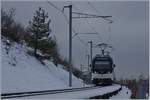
column 22, row 72
column 125, row 93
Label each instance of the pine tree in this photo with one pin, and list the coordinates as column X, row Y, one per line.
column 39, row 26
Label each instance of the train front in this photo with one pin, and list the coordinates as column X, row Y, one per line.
column 102, row 70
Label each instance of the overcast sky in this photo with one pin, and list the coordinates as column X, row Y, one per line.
column 128, row 34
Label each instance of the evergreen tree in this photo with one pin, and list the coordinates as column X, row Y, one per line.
column 10, row 28
column 39, row 26
column 7, row 21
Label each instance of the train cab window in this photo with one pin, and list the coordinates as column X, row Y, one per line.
column 102, row 62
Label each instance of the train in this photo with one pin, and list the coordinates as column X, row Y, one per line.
column 102, row 70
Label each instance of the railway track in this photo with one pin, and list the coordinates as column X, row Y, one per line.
column 36, row 93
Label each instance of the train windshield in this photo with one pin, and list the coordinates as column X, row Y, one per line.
column 102, row 65
column 102, row 62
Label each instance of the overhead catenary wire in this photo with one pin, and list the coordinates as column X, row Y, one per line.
column 54, row 6
column 92, row 28
column 110, row 21
column 66, row 19
column 81, row 40
column 97, row 11
column 93, row 7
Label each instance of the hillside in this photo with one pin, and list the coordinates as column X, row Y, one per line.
column 22, row 72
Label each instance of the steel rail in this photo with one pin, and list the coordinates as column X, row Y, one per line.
column 34, row 93
column 45, row 92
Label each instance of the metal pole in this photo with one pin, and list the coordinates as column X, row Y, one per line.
column 70, row 45
column 88, row 62
column 81, row 71
column 91, row 57
column 91, row 51
column 91, row 60
column 89, row 71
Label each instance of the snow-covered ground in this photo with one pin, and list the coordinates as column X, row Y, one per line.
column 78, row 94
column 125, row 93
column 22, row 72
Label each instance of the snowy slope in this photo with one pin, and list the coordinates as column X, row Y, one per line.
column 22, row 72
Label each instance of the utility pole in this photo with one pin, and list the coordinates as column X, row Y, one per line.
column 70, row 44
column 82, row 71
column 91, row 43
column 89, row 71
column 91, row 50
column 88, row 61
